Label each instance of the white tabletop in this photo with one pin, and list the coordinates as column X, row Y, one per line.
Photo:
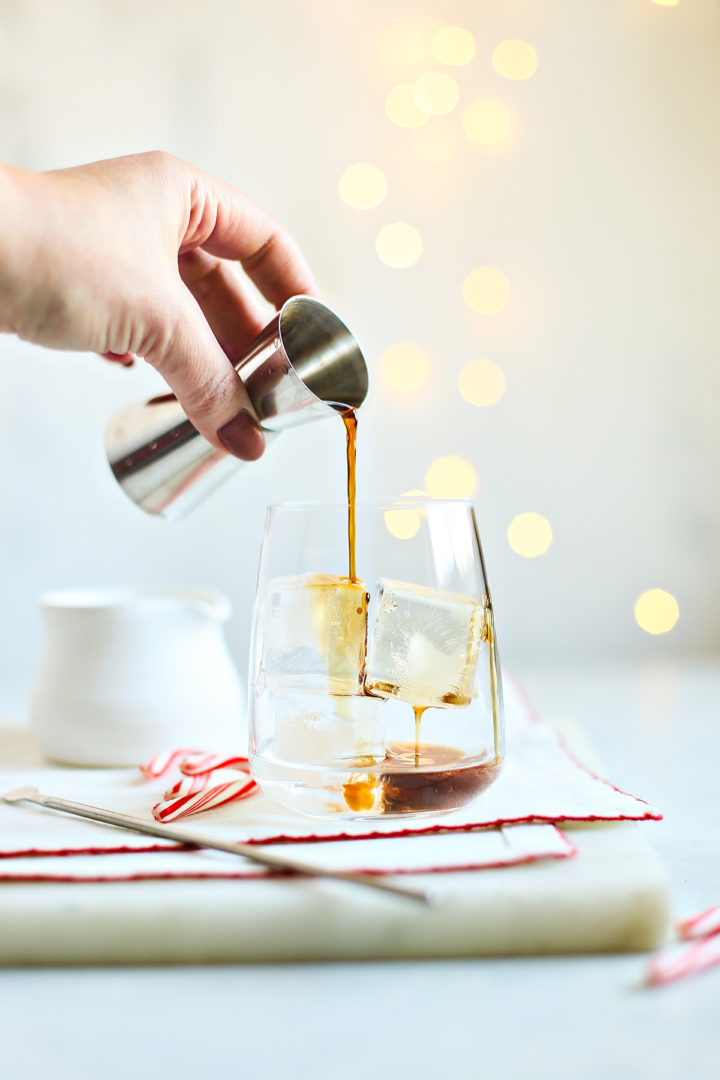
column 657, row 731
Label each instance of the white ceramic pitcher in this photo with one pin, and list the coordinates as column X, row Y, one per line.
column 128, row 673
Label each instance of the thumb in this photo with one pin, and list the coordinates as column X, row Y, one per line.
column 188, row 357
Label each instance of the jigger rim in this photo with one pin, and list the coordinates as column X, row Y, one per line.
column 303, row 299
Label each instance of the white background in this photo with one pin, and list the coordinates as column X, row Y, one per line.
column 602, row 209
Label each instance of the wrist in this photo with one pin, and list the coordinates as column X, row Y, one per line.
column 16, row 219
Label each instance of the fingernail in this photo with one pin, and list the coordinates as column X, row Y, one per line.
column 242, row 436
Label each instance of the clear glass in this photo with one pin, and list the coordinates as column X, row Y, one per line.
column 381, row 696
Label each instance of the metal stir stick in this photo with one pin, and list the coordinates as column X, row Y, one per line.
column 185, row 836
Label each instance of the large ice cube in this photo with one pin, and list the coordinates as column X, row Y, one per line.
column 424, row 645
column 317, row 729
column 316, row 634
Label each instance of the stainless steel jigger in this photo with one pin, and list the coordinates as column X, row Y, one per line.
column 303, row 366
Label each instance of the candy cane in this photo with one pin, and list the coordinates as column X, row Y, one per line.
column 162, row 763
column 207, row 763
column 186, row 785
column 704, row 924
column 686, row 960
column 192, row 793
column 207, row 799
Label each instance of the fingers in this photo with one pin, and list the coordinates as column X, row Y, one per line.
column 234, row 316
column 277, row 267
column 230, row 225
column 218, row 315
column 204, row 381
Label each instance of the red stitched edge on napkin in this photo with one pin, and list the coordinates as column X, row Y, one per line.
column 281, row 838
column 120, row 850
column 520, row 860
column 563, row 745
column 372, row 835
column 428, row 830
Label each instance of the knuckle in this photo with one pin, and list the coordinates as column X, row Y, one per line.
column 213, row 395
column 153, row 332
column 162, row 160
column 201, row 272
column 218, row 389
column 206, row 387
column 252, row 262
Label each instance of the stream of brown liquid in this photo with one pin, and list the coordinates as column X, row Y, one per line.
column 412, row 777
column 349, row 419
column 418, row 710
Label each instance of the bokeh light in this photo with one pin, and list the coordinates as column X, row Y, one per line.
column 401, row 108
column 486, row 290
column 666, row 3
column 487, row 120
column 515, row 59
column 529, row 535
column 453, row 45
column 404, row 524
column 436, row 92
column 362, row 186
column 451, row 477
column 481, row 382
column 399, row 245
column 656, row 611
column 436, row 142
column 404, row 366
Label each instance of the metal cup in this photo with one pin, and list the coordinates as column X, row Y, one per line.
column 303, row 366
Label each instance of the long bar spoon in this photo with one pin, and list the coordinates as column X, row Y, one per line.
column 184, row 836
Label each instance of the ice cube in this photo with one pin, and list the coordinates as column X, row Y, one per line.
column 318, row 729
column 424, row 645
column 316, row 634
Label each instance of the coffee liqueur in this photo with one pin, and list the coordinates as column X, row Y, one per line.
column 413, row 777
column 434, row 779
column 349, row 418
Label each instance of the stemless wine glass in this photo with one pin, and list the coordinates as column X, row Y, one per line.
column 379, row 696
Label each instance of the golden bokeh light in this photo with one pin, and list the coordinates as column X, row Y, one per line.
column 666, row 3
column 363, row 186
column 529, row 535
column 453, row 45
column 401, row 108
column 404, row 366
column 404, row 524
column 451, row 477
column 481, row 382
column 399, row 245
column 656, row 611
column 515, row 59
column 487, row 120
column 436, row 142
column 486, row 290
column 436, row 93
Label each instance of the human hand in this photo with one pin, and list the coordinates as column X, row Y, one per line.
column 133, row 257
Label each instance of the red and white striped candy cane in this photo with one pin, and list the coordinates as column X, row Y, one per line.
column 704, row 924
column 186, row 785
column 162, row 763
column 193, row 792
column 207, row 799
column 684, row 960
column 206, row 763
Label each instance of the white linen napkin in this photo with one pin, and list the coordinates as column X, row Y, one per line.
column 432, row 853
column 541, row 782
